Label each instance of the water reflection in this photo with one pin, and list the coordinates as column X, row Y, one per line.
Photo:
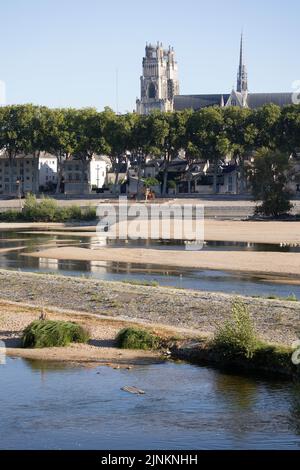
column 54, row 406
column 206, row 280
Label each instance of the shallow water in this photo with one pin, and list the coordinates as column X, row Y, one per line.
column 52, row 406
column 206, row 280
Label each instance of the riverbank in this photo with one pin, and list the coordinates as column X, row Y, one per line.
column 276, row 321
column 100, row 350
column 179, row 343
column 258, row 263
column 266, row 232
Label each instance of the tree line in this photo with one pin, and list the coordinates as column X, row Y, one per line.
column 210, row 134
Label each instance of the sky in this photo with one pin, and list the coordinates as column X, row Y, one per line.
column 73, row 53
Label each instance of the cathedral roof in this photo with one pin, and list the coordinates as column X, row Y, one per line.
column 254, row 100
column 182, row 102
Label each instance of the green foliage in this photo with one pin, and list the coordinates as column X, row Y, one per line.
column 210, row 133
column 135, row 338
column 134, row 282
column 49, row 333
column 47, row 210
column 172, row 184
column 269, row 179
column 237, row 336
column 10, row 215
column 149, row 182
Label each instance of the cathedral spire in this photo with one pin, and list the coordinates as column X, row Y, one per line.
column 242, row 79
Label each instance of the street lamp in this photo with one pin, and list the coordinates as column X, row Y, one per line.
column 18, row 183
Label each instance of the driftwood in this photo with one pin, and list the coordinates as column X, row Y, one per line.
column 133, row 390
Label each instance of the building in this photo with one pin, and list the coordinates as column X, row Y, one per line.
column 159, row 82
column 82, row 177
column 160, row 87
column 19, row 175
column 99, row 167
column 47, row 171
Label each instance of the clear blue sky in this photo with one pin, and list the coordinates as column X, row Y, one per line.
column 66, row 52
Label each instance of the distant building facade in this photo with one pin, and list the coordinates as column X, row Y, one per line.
column 160, row 87
column 81, row 177
column 47, row 171
column 159, row 82
column 19, row 175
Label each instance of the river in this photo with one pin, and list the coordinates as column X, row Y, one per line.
column 55, row 406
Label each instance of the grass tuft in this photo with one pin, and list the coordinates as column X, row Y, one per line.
column 135, row 338
column 49, row 333
column 237, row 336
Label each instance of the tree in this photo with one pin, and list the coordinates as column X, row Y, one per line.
column 207, row 139
column 267, row 121
column 242, row 134
column 60, row 139
column 117, row 131
column 269, row 178
column 289, row 128
column 21, row 132
column 141, row 141
column 169, row 137
column 90, row 138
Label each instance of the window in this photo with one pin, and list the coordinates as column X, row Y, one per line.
column 151, row 91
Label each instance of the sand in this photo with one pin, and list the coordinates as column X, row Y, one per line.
column 215, row 230
column 282, row 264
column 101, row 349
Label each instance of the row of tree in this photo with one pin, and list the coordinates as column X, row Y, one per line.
column 210, row 134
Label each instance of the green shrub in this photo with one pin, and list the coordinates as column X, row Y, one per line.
column 89, row 214
column 47, row 210
column 49, row 333
column 237, row 336
column 74, row 212
column 11, row 215
column 135, row 338
column 44, row 211
column 149, row 182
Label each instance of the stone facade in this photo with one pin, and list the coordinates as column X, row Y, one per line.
column 159, row 82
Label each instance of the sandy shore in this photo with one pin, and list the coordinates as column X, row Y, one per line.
column 279, row 264
column 214, row 230
column 101, row 349
column 200, row 313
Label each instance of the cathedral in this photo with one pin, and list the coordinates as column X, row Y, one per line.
column 160, row 87
column 159, row 82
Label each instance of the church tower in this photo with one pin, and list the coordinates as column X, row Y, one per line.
column 159, row 82
column 242, row 79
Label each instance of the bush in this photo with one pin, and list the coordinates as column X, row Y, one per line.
column 237, row 336
column 47, row 210
column 269, row 183
column 135, row 338
column 89, row 214
column 11, row 215
column 149, row 182
column 49, row 333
